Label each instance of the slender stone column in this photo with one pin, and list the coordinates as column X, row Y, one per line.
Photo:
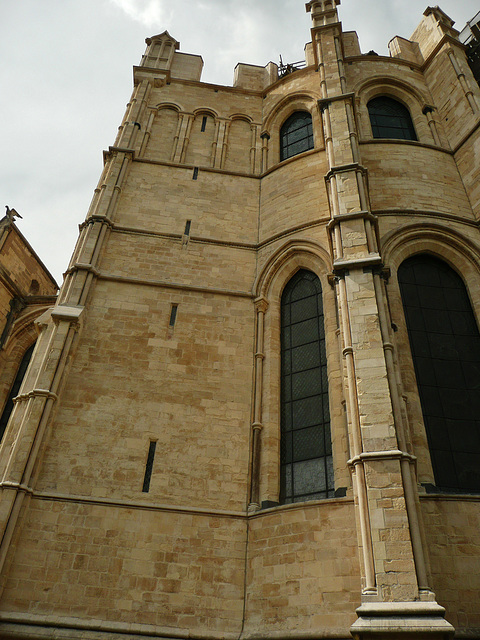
column 265, row 138
column 261, row 306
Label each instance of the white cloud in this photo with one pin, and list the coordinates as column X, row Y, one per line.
column 148, row 12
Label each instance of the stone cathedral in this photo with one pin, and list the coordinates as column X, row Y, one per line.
column 253, row 412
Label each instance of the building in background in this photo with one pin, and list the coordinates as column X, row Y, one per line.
column 254, row 410
column 27, row 290
column 470, row 36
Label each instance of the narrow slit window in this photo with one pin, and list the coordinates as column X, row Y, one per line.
column 149, row 466
column 188, row 224
column 173, row 315
column 204, row 124
column 195, row 173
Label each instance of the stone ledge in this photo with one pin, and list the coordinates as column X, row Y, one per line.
column 408, row 619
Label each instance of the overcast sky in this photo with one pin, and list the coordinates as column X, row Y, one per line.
column 66, row 76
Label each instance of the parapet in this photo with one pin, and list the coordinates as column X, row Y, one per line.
column 351, row 45
column 405, row 49
column 255, row 78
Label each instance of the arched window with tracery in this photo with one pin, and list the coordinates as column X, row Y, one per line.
column 390, row 119
column 306, row 448
column 22, row 369
column 296, row 135
column 445, row 346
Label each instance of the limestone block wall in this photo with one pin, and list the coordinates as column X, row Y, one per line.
column 293, row 195
column 161, row 198
column 180, row 261
column 469, row 169
column 111, row 565
column 409, row 176
column 168, row 385
column 204, row 125
column 451, row 91
column 451, row 529
column 303, row 570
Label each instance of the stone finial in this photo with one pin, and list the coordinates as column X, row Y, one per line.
column 163, row 37
column 323, row 11
column 160, row 51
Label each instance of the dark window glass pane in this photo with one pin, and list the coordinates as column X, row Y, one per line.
column 446, row 356
column 296, row 135
column 307, row 383
column 305, row 357
column 304, row 332
column 390, row 119
column 304, row 309
column 306, row 465
column 307, row 412
column 307, row 443
column 309, row 476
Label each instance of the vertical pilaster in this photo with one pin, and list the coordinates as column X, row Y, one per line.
column 395, row 581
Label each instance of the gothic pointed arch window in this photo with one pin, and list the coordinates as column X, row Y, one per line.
column 306, row 467
column 296, row 135
column 22, row 369
column 390, row 119
column 445, row 346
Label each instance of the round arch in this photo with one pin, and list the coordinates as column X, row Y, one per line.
column 170, row 105
column 240, row 116
column 286, row 261
column 287, row 106
column 300, row 101
column 445, row 243
column 205, row 111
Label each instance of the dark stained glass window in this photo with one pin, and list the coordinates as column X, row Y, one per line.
column 390, row 119
column 296, row 135
column 22, row 369
column 445, row 344
column 306, row 448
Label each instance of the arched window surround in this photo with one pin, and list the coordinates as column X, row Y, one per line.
column 460, row 255
column 270, row 285
column 280, row 113
column 407, row 95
